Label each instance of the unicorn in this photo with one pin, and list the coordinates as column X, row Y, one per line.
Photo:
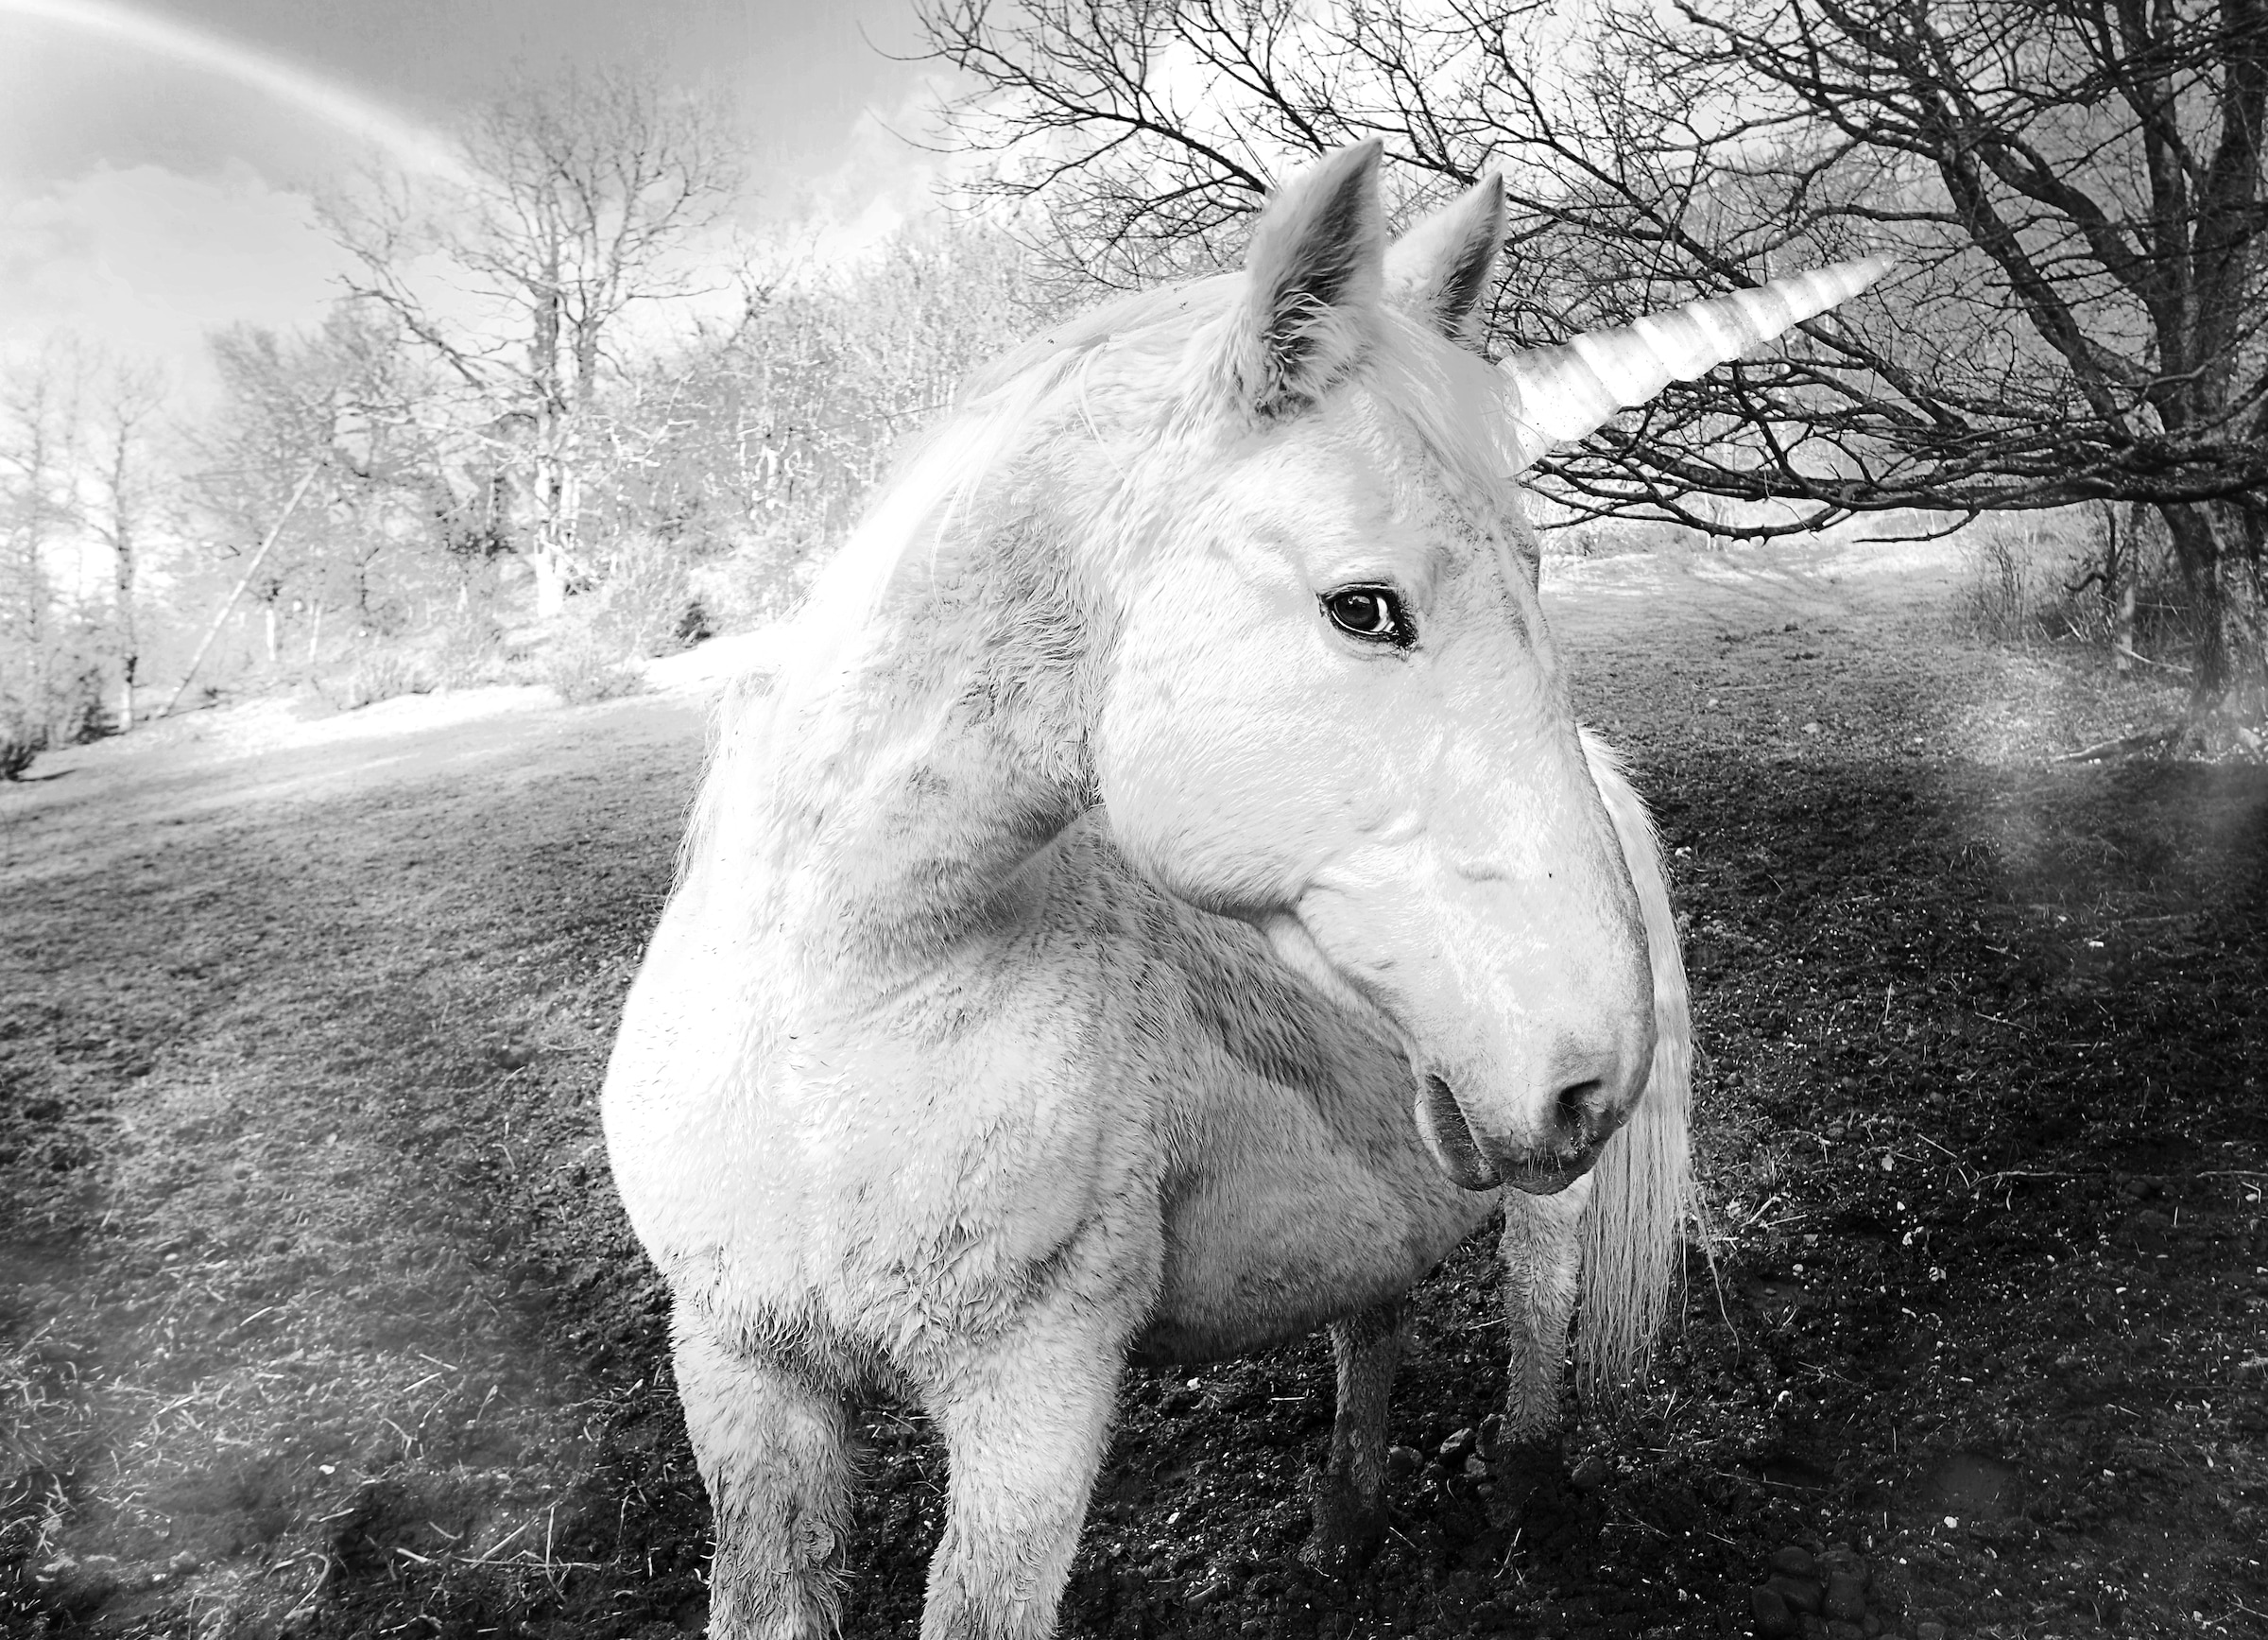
column 1164, row 904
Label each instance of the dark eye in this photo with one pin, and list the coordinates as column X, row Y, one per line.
column 1373, row 614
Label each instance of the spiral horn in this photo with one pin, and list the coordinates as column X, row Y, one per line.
column 1568, row 390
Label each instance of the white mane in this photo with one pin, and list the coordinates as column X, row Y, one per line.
column 1084, row 408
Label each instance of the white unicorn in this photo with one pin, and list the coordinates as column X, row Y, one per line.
column 1163, row 903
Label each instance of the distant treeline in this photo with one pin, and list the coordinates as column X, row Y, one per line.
column 569, row 405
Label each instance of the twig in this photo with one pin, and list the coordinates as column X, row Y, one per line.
column 500, row 1543
column 2165, row 734
column 2012, row 1025
column 2133, row 654
column 307, row 1600
column 1959, row 1167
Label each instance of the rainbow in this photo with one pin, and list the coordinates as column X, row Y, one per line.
column 413, row 146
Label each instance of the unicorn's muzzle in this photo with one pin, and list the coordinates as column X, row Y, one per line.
column 1581, row 1117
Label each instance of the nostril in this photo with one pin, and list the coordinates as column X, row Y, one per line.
column 1580, row 1109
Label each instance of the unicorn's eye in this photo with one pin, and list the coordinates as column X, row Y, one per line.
column 1372, row 613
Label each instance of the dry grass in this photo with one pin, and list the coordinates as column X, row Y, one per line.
column 316, row 1312
column 310, row 1185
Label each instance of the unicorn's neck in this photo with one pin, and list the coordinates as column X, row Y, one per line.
column 910, row 784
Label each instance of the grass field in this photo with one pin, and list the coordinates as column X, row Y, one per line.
column 317, row 1316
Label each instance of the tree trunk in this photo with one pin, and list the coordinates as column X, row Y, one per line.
column 2219, row 545
column 2229, row 713
column 551, row 580
column 552, row 553
column 130, row 658
column 124, row 560
column 2121, row 571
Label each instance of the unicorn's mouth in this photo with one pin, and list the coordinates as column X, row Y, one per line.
column 1457, row 1150
column 1549, row 1180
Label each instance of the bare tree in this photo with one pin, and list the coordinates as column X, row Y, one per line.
column 45, row 655
column 770, row 435
column 38, row 423
column 129, row 404
column 381, row 530
column 590, row 192
column 2073, row 189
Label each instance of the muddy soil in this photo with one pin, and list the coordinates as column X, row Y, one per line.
column 317, row 1316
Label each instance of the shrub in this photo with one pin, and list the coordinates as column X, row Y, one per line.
column 583, row 669
column 53, row 696
column 19, row 744
column 2004, row 584
column 648, row 605
column 764, row 579
column 381, row 674
column 2062, row 576
column 469, row 651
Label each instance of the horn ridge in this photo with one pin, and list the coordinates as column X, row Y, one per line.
column 1568, row 390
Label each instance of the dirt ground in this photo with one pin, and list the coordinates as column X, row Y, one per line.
column 317, row 1316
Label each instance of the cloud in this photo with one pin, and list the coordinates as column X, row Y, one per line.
column 883, row 180
column 145, row 260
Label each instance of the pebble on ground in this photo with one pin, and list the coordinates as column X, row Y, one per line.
column 1823, row 1597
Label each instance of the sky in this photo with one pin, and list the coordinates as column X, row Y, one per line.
column 158, row 159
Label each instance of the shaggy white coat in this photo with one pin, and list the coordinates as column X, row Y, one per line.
column 1062, row 946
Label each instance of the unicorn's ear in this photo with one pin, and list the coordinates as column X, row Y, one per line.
column 1439, row 271
column 1313, row 282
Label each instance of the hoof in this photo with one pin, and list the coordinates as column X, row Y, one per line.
column 1339, row 1555
column 1347, row 1528
column 1527, row 1474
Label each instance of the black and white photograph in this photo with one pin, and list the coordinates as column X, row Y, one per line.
column 1147, row 820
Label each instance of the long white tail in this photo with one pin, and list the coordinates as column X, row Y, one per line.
column 1644, row 1177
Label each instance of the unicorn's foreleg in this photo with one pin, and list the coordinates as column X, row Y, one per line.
column 1024, row 1426
column 773, row 1450
column 1543, row 1257
column 1350, row 1516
